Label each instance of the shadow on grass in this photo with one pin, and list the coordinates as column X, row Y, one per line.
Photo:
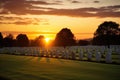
column 61, row 61
column 39, row 58
column 4, row 78
column 27, row 76
column 47, row 60
column 29, row 58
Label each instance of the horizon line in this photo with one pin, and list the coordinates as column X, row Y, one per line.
column 35, row 32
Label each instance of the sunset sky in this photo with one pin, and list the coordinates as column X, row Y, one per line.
column 48, row 17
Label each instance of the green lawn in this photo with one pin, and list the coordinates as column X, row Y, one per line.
column 36, row 68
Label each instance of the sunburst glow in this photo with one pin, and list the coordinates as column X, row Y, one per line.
column 47, row 40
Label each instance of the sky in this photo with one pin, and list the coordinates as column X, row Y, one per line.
column 48, row 17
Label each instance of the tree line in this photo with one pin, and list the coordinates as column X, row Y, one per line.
column 107, row 33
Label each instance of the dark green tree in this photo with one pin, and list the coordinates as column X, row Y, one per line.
column 22, row 40
column 107, row 33
column 1, row 39
column 65, row 38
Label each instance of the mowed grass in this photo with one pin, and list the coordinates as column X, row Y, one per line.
column 40, row 68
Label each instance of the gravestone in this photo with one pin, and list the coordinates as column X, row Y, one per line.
column 57, row 54
column 98, row 56
column 108, row 58
column 73, row 56
column 81, row 55
column 89, row 56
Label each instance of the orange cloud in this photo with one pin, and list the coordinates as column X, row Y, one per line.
column 21, row 20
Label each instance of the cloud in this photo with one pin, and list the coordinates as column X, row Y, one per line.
column 23, row 7
column 76, row 1
column 22, row 23
column 22, row 20
column 59, row 1
column 43, row 2
column 96, row 1
column 108, row 11
column 14, row 6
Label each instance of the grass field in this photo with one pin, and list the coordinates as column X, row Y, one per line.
column 36, row 68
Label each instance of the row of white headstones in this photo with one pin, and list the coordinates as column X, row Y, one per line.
column 89, row 53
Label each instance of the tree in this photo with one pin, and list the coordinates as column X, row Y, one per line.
column 8, row 41
column 83, row 42
column 107, row 33
column 108, row 28
column 39, row 41
column 22, row 40
column 1, row 40
column 65, row 38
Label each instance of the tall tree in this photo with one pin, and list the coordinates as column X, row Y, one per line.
column 107, row 33
column 1, row 40
column 22, row 40
column 8, row 41
column 65, row 38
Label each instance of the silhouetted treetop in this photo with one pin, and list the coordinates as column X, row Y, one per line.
column 65, row 38
column 40, row 40
column 22, row 40
column 108, row 28
column 10, row 36
column 1, row 36
column 107, row 33
column 1, row 39
column 8, row 41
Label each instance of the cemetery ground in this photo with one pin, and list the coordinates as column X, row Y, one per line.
column 13, row 67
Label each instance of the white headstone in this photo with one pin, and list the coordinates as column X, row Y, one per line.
column 98, row 56
column 56, row 54
column 81, row 55
column 66, row 54
column 73, row 55
column 89, row 55
column 108, row 58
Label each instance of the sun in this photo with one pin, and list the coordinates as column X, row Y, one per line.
column 47, row 40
